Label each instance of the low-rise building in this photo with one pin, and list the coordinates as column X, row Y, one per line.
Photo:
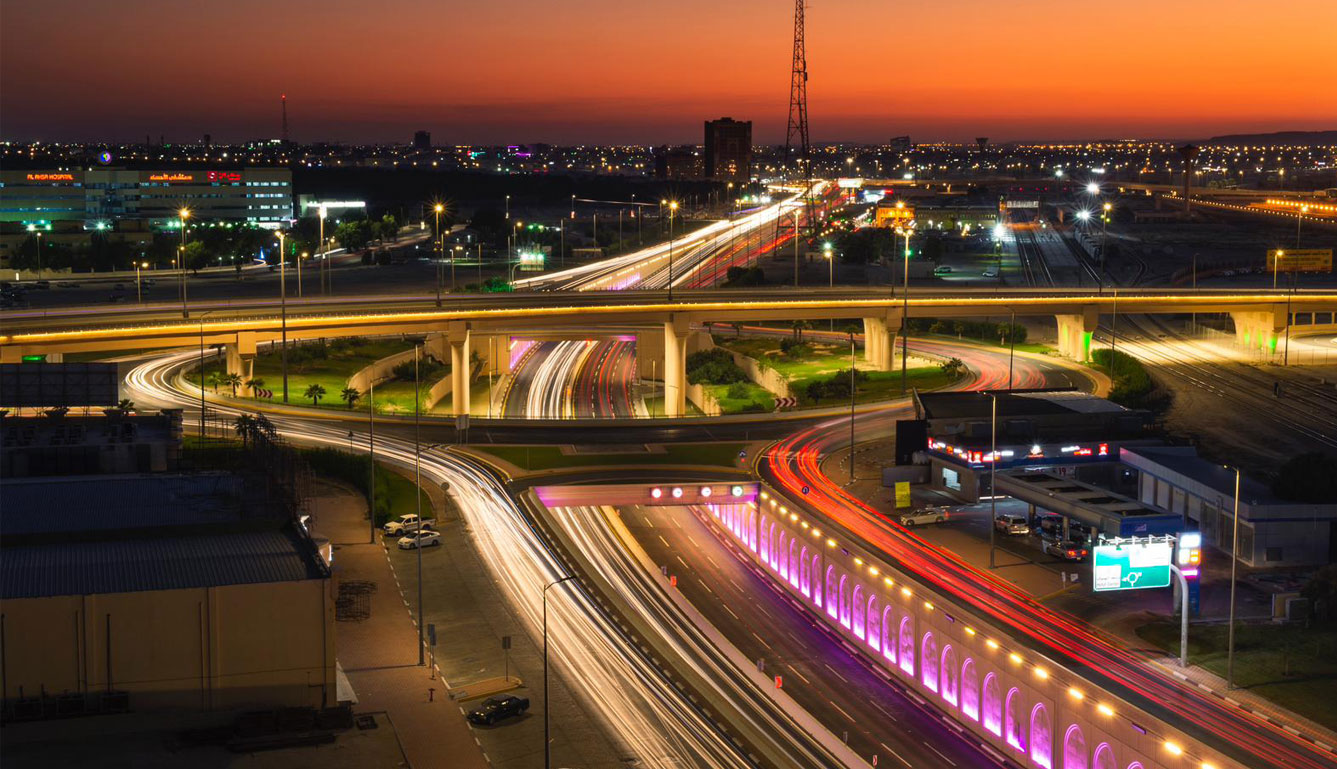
column 159, row 592
column 1272, row 532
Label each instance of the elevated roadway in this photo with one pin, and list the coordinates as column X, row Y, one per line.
column 1260, row 319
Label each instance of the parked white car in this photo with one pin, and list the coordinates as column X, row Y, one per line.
column 424, row 538
column 1012, row 524
column 930, row 514
column 407, row 523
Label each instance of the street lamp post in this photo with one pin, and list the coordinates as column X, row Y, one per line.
column 673, row 206
column 371, row 451
column 993, row 465
column 38, row 242
column 324, row 253
column 851, row 407
column 1276, row 262
column 796, row 240
column 283, row 314
column 1299, row 217
column 437, row 209
column 1234, row 565
column 417, row 480
column 1104, row 225
column 184, row 214
column 547, row 705
column 905, row 308
column 139, row 286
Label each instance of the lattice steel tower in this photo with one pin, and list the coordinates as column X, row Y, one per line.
column 797, row 148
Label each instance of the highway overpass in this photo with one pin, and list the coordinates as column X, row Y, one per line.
column 1260, row 320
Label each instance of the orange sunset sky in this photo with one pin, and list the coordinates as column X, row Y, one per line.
column 639, row 72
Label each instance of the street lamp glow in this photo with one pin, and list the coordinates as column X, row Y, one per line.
column 439, row 208
column 1093, row 188
column 1084, row 215
column 999, row 231
column 184, row 213
column 1109, row 207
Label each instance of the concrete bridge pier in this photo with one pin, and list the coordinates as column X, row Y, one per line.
column 1260, row 329
column 239, row 357
column 677, row 329
column 1074, row 333
column 457, row 338
column 878, row 349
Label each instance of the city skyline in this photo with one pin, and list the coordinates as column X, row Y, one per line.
column 1154, row 72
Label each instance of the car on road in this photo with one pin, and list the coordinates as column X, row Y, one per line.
column 991, row 273
column 116, row 298
column 422, row 538
column 44, row 285
column 494, row 709
column 1067, row 551
column 1011, row 524
column 66, row 284
column 942, row 269
column 406, row 523
column 148, row 282
column 930, row 514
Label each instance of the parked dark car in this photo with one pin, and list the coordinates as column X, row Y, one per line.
column 494, row 709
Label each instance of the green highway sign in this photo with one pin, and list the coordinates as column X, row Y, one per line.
column 1132, row 565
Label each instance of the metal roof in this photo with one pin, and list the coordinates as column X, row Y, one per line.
column 52, row 505
column 156, row 563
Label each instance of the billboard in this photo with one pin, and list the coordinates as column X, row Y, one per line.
column 1132, row 564
column 1299, row 260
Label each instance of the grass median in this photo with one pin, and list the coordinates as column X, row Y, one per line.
column 1291, row 665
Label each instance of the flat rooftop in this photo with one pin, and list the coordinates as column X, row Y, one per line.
column 86, row 535
column 1018, row 403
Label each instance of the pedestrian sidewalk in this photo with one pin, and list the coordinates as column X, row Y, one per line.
column 380, row 653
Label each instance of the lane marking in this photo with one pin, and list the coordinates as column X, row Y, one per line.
column 665, row 541
column 726, row 608
column 842, row 711
column 944, row 758
column 837, row 673
column 762, row 640
column 802, row 677
column 894, row 753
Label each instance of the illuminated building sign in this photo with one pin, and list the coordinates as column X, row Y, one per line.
column 224, row 176
column 50, row 177
column 172, row 177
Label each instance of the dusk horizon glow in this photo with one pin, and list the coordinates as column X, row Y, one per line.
column 595, row 72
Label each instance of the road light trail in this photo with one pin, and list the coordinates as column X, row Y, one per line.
column 795, row 463
column 652, row 719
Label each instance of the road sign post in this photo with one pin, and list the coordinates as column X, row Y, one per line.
column 1132, row 564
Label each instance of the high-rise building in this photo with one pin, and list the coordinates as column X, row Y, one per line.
column 728, row 155
column 422, row 140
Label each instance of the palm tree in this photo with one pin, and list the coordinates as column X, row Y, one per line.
column 798, row 327
column 350, row 395
column 212, row 380
column 315, row 392
column 265, row 427
column 126, row 405
column 231, row 380
column 255, row 383
column 245, row 427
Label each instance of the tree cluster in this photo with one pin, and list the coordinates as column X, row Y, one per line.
column 714, row 366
